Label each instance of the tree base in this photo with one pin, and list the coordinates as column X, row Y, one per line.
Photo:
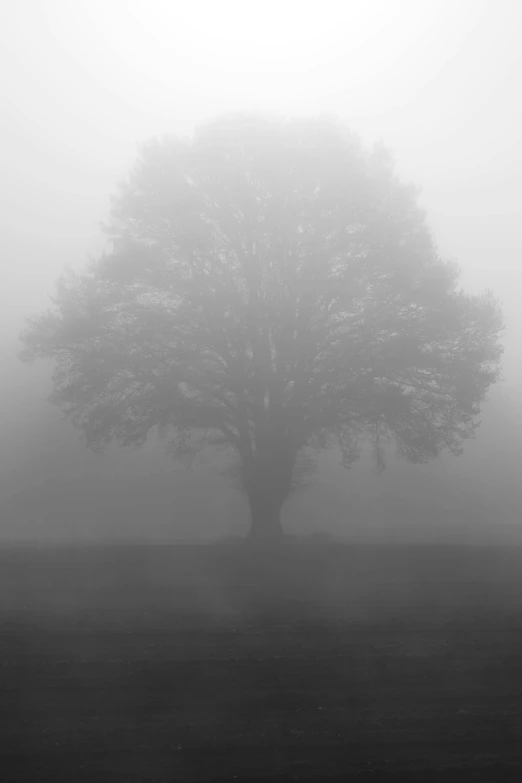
column 265, row 525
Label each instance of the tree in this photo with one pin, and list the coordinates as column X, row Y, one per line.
column 273, row 287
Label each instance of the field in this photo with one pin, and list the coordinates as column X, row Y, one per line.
column 162, row 664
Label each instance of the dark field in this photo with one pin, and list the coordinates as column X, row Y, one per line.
column 199, row 663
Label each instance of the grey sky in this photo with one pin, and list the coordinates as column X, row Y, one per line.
column 85, row 82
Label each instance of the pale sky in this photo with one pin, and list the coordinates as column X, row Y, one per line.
column 85, row 82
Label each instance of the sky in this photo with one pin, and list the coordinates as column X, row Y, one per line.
column 85, row 83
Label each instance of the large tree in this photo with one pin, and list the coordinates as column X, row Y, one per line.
column 272, row 285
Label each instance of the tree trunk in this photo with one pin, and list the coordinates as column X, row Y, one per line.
column 265, row 516
column 267, row 479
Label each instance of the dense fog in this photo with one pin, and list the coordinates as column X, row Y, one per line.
column 87, row 84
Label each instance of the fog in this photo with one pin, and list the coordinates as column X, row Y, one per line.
column 86, row 83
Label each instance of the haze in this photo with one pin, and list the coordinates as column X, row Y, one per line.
column 85, row 83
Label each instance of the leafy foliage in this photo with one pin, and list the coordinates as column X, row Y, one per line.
column 273, row 287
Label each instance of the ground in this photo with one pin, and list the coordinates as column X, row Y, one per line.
column 204, row 663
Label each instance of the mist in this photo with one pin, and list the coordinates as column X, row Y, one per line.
column 437, row 83
column 195, row 619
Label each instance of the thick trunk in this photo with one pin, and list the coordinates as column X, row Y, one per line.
column 267, row 479
column 265, row 516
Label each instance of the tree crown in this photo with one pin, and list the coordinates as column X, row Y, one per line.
column 274, row 286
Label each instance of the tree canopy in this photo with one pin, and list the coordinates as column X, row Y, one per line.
column 273, row 286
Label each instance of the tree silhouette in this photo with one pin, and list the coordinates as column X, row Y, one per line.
column 273, row 287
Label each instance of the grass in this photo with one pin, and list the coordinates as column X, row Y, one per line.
column 195, row 663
